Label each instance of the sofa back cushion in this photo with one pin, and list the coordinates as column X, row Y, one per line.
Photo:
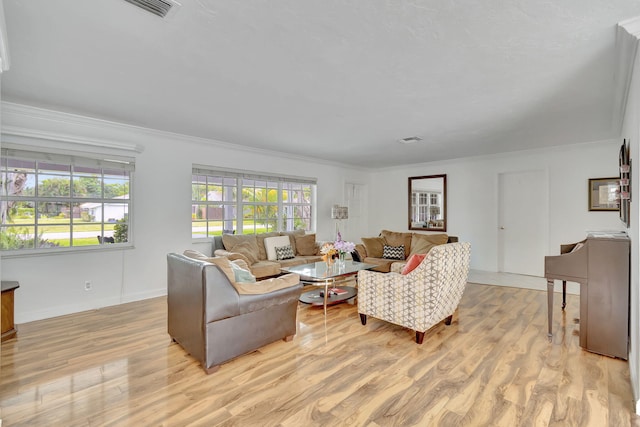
column 292, row 237
column 394, row 238
column 244, row 244
column 374, row 246
column 306, row 245
column 422, row 243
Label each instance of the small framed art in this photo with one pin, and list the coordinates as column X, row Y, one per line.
column 604, row 194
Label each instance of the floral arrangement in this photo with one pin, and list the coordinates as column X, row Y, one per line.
column 328, row 251
column 339, row 247
column 342, row 246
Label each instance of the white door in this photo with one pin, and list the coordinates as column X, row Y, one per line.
column 523, row 213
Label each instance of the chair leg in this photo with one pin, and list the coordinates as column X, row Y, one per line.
column 448, row 320
column 363, row 318
column 211, row 369
column 419, row 337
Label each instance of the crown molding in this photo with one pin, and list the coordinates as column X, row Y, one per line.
column 18, row 120
column 627, row 36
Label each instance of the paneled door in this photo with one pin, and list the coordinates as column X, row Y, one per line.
column 523, row 212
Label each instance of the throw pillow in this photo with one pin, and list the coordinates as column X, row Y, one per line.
column 395, row 238
column 244, row 244
column 262, row 252
column 242, row 275
column 225, row 265
column 412, row 263
column 373, row 246
column 306, row 245
column 393, row 252
column 284, row 252
column 422, row 243
column 271, row 243
column 196, row 255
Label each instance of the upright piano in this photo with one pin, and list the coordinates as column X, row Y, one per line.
column 600, row 264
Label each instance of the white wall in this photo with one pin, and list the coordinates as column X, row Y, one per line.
column 52, row 285
column 472, row 195
column 631, row 131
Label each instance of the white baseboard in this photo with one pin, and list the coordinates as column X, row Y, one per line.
column 31, row 316
column 518, row 281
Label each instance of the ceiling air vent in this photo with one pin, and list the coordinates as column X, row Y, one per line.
column 157, row 7
column 410, row 140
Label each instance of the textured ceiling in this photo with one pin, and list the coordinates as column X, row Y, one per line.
column 336, row 80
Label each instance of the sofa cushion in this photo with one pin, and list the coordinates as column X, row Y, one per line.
column 422, row 243
column 412, row 263
column 292, row 237
column 373, row 246
column 394, row 238
column 393, row 252
column 306, row 245
column 260, row 238
column 265, row 268
column 382, row 265
column 271, row 243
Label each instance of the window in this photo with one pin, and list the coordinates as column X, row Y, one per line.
column 245, row 203
column 54, row 201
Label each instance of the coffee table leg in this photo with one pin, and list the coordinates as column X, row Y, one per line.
column 326, row 292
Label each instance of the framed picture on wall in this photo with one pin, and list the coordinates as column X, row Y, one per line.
column 604, row 194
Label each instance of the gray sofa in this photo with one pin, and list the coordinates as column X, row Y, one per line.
column 213, row 322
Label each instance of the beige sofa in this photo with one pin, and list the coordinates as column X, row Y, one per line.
column 254, row 248
column 371, row 249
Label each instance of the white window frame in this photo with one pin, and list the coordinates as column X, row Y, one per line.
column 74, row 159
column 239, row 205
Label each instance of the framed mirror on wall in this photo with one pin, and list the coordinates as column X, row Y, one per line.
column 428, row 203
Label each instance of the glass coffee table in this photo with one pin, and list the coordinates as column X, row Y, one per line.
column 328, row 277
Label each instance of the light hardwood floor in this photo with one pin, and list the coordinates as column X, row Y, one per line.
column 493, row 366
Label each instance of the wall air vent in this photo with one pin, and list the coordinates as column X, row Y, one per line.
column 157, row 7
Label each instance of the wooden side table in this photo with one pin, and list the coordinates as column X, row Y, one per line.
column 8, row 327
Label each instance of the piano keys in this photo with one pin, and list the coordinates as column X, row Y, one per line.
column 600, row 264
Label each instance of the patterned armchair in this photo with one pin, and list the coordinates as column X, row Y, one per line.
column 422, row 298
